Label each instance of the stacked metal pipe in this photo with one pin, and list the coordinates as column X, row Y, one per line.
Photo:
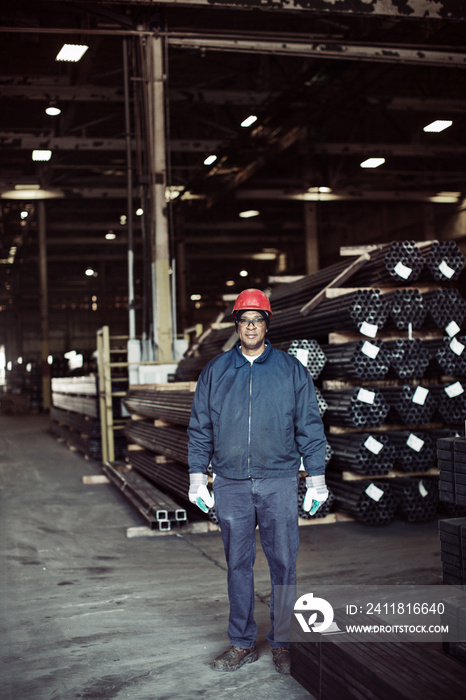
column 448, row 355
column 303, row 290
column 414, row 449
column 172, row 476
column 173, row 406
column 443, row 260
column 408, row 358
column 451, row 402
column 324, row 509
column 363, row 453
column 356, row 407
column 412, row 405
column 371, row 502
column 399, row 262
column 360, row 360
column 347, row 312
column 445, row 306
column 407, row 308
column 169, row 441
column 321, row 402
column 418, row 498
column 308, row 352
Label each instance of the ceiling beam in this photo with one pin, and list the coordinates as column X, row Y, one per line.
column 423, row 9
column 284, row 46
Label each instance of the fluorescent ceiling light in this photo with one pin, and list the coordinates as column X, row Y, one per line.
column 320, row 190
column 89, row 272
column 249, row 120
column 27, row 192
column 110, row 236
column 243, row 273
column 438, row 125
column 71, row 52
column 249, row 213
column 372, row 162
column 42, row 155
column 210, row 159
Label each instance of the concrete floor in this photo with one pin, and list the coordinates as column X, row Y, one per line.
column 88, row 613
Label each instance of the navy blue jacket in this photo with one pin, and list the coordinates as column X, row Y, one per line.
column 256, row 420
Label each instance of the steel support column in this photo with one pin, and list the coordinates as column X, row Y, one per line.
column 44, row 308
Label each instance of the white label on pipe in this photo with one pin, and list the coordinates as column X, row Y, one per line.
column 415, row 443
column 453, row 390
column 374, row 492
column 456, row 347
column 369, row 329
column 370, row 349
column 373, row 445
column 422, row 489
column 366, row 396
column 302, row 355
column 402, row 270
column 420, row 395
column 452, row 328
column 446, row 270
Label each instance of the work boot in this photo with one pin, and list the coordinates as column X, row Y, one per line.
column 233, row 658
column 281, row 659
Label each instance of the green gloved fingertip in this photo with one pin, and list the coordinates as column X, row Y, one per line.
column 315, row 507
column 201, row 504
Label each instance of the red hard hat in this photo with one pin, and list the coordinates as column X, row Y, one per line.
column 252, row 299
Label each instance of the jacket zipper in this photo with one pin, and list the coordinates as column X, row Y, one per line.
column 249, row 420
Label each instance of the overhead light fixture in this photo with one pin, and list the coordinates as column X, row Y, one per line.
column 52, row 110
column 71, row 52
column 24, row 214
column 90, row 272
column 249, row 213
column 195, row 297
column 372, row 162
column 319, row 190
column 243, row 273
column 140, row 211
column 32, row 191
column 41, row 155
column 210, row 159
column 230, row 283
column 438, row 125
column 249, row 120
column 110, row 236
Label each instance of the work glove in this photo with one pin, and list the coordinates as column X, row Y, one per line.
column 316, row 493
column 199, row 494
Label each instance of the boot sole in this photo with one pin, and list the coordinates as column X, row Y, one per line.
column 247, row 660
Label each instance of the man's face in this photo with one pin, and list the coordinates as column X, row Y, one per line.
column 252, row 336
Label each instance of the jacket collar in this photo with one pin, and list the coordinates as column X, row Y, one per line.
column 241, row 359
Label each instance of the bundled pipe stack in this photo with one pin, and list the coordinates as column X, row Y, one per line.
column 169, row 475
column 414, row 449
column 371, row 502
column 324, row 509
column 408, row 358
column 357, row 407
column 417, row 498
column 158, row 509
column 173, row 406
column 407, row 308
column 360, row 360
column 446, row 308
column 350, row 311
column 363, row 453
column 171, row 441
column 410, row 405
column 448, row 355
column 308, row 352
column 451, row 402
column 443, row 260
column 399, row 262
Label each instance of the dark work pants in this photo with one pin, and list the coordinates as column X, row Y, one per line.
column 240, row 505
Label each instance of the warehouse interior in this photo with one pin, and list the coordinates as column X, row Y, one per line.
column 313, row 150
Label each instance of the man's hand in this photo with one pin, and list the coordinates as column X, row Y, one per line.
column 316, row 493
column 199, row 494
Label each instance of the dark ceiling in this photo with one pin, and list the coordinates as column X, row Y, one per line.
column 330, row 88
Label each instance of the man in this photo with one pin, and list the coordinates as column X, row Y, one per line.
column 254, row 418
